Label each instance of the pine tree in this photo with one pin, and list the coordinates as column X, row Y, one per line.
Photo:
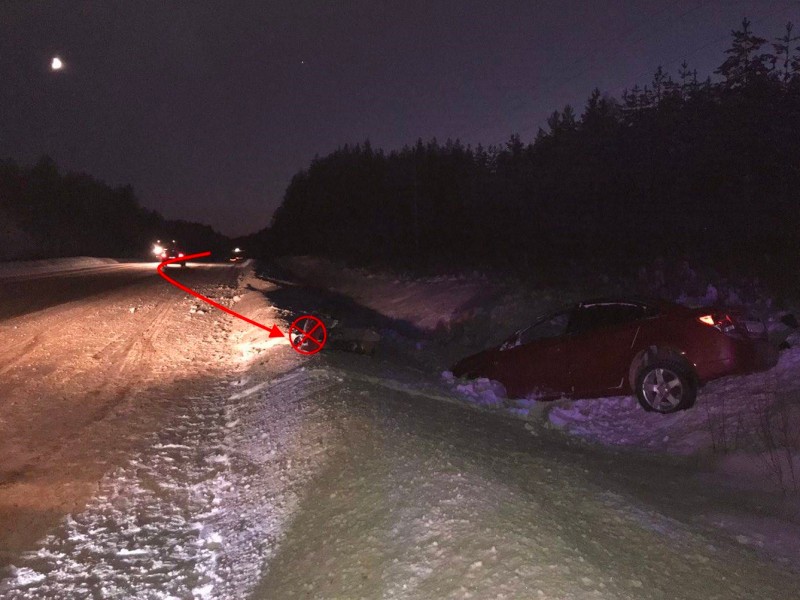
column 514, row 145
column 568, row 118
column 693, row 85
column 794, row 60
column 630, row 104
column 645, row 98
column 659, row 83
column 599, row 111
column 685, row 75
column 629, row 98
column 554, row 121
column 783, row 57
column 744, row 63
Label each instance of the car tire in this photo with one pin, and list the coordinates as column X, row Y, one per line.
column 666, row 386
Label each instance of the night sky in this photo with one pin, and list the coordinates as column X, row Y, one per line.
column 209, row 108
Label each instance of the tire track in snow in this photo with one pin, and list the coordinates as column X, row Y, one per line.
column 121, row 367
column 16, row 353
column 23, row 345
column 127, row 361
column 58, row 317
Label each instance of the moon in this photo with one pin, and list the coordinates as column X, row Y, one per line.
column 56, row 64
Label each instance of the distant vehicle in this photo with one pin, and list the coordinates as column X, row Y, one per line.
column 659, row 351
column 165, row 251
column 237, row 255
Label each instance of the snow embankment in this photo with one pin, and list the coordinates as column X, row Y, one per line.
column 429, row 304
column 30, row 268
column 747, row 426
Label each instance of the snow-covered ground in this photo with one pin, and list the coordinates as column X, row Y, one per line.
column 198, row 511
column 31, row 268
column 146, row 389
column 427, row 504
column 744, row 432
column 247, row 470
column 430, row 304
column 730, row 414
column 747, row 427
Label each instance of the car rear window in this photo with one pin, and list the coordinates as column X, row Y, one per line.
column 595, row 316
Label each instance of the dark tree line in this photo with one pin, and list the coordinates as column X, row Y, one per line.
column 681, row 166
column 45, row 214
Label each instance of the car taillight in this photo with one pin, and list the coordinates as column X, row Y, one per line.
column 720, row 322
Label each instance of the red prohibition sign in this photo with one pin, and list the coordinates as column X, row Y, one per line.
column 309, row 335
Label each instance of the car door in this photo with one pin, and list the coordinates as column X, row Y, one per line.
column 599, row 345
column 534, row 361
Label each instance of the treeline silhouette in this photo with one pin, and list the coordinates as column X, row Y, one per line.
column 45, row 214
column 681, row 166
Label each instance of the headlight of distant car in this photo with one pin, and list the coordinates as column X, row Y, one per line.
column 158, row 250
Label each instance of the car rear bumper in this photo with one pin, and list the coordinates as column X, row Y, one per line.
column 742, row 356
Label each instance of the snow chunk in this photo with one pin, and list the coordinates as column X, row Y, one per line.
column 25, row 576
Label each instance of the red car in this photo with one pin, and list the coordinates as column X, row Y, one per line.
column 659, row 351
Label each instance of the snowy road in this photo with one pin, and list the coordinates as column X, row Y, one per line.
column 91, row 360
column 21, row 293
column 154, row 451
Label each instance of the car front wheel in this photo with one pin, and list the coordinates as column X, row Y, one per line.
column 665, row 386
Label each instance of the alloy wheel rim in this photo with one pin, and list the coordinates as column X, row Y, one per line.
column 662, row 389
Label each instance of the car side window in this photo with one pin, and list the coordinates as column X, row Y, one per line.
column 550, row 327
column 595, row 316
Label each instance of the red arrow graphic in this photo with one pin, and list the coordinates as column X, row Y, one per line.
column 273, row 331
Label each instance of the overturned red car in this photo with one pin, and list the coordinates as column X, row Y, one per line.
column 659, row 351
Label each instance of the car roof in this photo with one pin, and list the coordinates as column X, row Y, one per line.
column 609, row 302
column 663, row 306
column 635, row 301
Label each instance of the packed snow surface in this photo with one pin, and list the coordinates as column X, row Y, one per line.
column 744, row 431
column 198, row 512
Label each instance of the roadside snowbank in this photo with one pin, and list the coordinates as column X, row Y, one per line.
column 744, row 428
column 743, row 436
column 725, row 417
column 752, row 418
column 429, row 304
